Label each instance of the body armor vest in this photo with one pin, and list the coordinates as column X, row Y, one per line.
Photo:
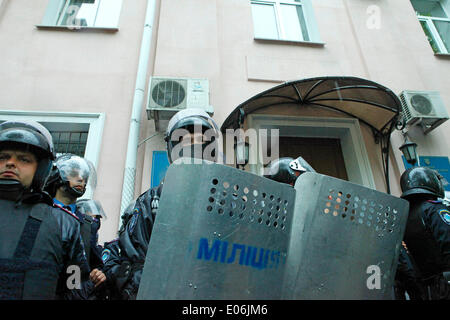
column 21, row 275
column 85, row 230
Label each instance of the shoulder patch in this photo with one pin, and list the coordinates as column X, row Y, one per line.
column 445, row 215
column 66, row 211
column 105, row 255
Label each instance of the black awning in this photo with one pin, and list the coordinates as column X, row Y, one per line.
column 371, row 103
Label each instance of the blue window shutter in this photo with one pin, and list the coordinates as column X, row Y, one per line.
column 160, row 163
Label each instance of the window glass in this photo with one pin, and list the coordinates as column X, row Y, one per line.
column 78, row 13
column 70, row 142
column 291, row 20
column 435, row 23
column 294, row 23
column 109, row 11
column 89, row 13
column 429, row 8
column 264, row 21
column 443, row 28
column 429, row 35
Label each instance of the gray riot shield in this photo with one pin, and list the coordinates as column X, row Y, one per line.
column 345, row 240
column 220, row 233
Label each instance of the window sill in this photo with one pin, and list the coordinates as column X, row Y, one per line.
column 443, row 55
column 75, row 28
column 291, row 42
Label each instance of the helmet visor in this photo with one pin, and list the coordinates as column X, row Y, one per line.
column 78, row 171
column 90, row 207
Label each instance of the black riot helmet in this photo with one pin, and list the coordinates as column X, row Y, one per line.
column 421, row 181
column 192, row 120
column 70, row 167
column 287, row 170
column 30, row 136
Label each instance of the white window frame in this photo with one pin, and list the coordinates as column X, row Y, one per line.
column 434, row 33
column 308, row 15
column 54, row 15
column 96, row 123
column 347, row 130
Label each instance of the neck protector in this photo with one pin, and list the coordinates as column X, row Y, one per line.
column 11, row 190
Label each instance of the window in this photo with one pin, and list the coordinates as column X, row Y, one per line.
column 69, row 137
column 83, row 13
column 434, row 16
column 78, row 133
column 291, row 20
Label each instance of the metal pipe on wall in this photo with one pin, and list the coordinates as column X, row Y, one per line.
column 138, row 101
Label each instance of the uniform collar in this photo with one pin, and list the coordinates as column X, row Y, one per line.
column 72, row 207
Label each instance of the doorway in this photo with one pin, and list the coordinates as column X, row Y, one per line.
column 323, row 154
column 346, row 130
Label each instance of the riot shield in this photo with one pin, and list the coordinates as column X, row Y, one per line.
column 344, row 242
column 220, row 233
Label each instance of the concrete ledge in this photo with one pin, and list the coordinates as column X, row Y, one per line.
column 289, row 42
column 76, row 28
column 443, row 55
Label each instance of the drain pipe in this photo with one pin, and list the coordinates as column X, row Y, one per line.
column 138, row 100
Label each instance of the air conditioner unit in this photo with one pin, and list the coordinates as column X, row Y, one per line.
column 167, row 96
column 423, row 107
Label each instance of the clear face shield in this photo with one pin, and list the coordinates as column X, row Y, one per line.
column 90, row 207
column 192, row 135
column 193, row 142
column 78, row 173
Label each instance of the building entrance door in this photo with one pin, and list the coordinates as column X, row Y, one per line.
column 323, row 154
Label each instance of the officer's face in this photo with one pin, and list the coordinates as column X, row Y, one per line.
column 193, row 138
column 76, row 180
column 18, row 165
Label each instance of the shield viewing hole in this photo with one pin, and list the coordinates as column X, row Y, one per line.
column 361, row 211
column 254, row 206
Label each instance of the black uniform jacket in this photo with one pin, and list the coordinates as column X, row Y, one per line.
column 75, row 253
column 427, row 236
column 135, row 238
column 37, row 244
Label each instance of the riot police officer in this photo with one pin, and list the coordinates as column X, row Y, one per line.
column 113, row 268
column 68, row 181
column 37, row 244
column 191, row 134
column 287, row 169
column 92, row 211
column 427, row 234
